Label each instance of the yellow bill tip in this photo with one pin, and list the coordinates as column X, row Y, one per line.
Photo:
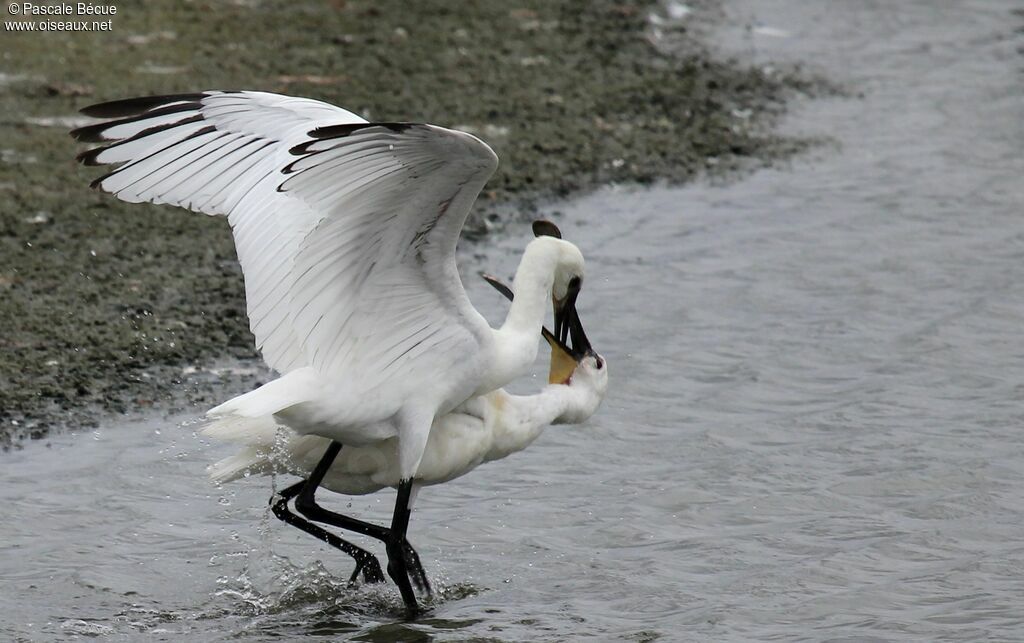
column 563, row 365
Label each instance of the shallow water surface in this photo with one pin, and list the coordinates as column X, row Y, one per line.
column 813, row 431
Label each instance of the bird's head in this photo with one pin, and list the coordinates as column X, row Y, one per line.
column 568, row 275
column 578, row 367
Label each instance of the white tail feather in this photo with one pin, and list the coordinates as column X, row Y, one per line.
column 251, row 460
column 287, row 390
column 242, row 430
column 268, row 448
column 258, row 435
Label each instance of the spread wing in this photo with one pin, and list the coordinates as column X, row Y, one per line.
column 221, row 153
column 345, row 230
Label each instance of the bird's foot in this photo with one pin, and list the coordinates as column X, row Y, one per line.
column 399, row 572
column 416, row 572
column 370, row 569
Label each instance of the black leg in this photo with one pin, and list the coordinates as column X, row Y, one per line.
column 366, row 563
column 398, row 568
column 305, row 503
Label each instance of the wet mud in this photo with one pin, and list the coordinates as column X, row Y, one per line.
column 110, row 308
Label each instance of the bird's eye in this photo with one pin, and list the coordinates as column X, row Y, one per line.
column 600, row 363
column 574, row 284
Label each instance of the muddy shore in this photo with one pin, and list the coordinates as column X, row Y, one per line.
column 109, row 308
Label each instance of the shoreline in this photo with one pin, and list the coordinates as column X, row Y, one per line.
column 110, row 307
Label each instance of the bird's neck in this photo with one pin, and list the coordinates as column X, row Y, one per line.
column 516, row 342
column 520, row 419
column 532, row 287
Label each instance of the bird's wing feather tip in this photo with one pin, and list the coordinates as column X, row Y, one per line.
column 135, row 106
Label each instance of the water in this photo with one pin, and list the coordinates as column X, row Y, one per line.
column 813, row 431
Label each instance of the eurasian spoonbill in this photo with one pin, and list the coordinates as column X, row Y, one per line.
column 346, row 233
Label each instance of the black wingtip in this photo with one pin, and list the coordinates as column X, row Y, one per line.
column 95, row 183
column 88, row 157
column 341, row 131
column 298, row 150
column 94, row 133
column 135, row 106
column 506, row 290
column 499, row 285
column 338, row 131
column 89, row 133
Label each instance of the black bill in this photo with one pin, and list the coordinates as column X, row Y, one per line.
column 567, row 322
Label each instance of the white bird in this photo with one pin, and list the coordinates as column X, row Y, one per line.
column 346, row 233
column 484, row 428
